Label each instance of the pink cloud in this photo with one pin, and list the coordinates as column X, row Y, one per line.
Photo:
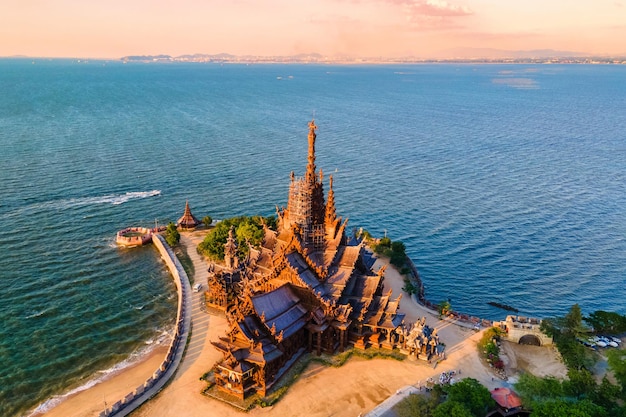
column 438, row 8
column 433, row 7
column 434, row 14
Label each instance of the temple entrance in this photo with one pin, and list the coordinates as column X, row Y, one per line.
column 530, row 339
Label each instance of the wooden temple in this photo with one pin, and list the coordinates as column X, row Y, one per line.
column 306, row 288
column 187, row 220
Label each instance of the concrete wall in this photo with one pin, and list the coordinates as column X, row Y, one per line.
column 174, row 355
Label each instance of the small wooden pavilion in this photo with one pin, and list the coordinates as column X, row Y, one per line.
column 187, row 221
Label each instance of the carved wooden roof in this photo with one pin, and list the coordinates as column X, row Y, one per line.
column 281, row 310
column 188, row 220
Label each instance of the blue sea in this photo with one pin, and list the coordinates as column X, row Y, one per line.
column 505, row 182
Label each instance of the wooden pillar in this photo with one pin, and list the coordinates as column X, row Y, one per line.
column 310, row 341
column 319, row 343
column 342, row 337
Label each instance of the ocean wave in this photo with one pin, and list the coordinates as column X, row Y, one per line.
column 114, row 199
column 137, row 356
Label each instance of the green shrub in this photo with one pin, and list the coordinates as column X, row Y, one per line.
column 172, row 237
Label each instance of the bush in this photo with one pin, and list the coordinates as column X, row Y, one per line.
column 409, row 288
column 488, row 345
column 444, row 307
column 207, row 220
column 416, row 405
column 172, row 237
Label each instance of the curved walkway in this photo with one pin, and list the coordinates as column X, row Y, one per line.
column 183, row 396
column 175, row 354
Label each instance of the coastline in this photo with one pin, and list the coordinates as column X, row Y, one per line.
column 378, row 379
column 89, row 398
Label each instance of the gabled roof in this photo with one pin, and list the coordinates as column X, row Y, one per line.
column 281, row 310
column 337, row 282
column 269, row 239
column 349, row 256
column 295, row 260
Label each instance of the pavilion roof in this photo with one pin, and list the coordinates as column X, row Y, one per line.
column 281, row 309
column 188, row 219
column 506, row 398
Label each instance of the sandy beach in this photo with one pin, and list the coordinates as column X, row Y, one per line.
column 90, row 402
column 353, row 389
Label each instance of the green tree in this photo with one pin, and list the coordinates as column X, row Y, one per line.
column 365, row 235
column 416, row 405
column 398, row 253
column 443, row 308
column 607, row 322
column 606, row 396
column 172, row 237
column 573, row 323
column 472, row 395
column 207, row 220
column 563, row 408
column 451, row 409
column 247, row 230
column 580, row 383
column 565, row 331
column 533, row 389
column 617, row 362
column 385, row 242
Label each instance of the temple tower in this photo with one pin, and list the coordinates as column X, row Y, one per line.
column 306, row 206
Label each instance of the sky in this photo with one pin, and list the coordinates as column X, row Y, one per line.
column 356, row 28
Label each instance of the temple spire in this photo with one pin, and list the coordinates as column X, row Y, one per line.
column 310, row 169
column 230, row 250
column 331, row 212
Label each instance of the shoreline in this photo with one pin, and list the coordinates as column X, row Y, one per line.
column 98, row 390
column 378, row 378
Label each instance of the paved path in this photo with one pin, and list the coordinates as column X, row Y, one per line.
column 199, row 318
column 182, row 396
column 184, row 300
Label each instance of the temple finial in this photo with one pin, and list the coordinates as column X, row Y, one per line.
column 312, row 128
column 310, row 171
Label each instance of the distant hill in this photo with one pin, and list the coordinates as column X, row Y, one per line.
column 490, row 53
column 473, row 55
column 147, row 58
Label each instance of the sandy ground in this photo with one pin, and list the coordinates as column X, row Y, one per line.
column 539, row 361
column 353, row 389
